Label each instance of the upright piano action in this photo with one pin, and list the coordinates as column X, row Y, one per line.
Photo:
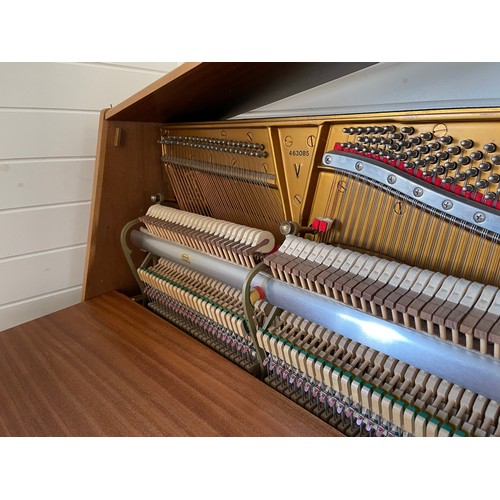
column 350, row 261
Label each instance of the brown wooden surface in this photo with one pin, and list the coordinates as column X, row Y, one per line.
column 125, row 177
column 109, row 367
column 215, row 90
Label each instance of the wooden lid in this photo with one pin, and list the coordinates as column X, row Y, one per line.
column 218, row 90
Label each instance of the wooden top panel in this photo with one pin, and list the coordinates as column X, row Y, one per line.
column 215, row 90
column 109, row 367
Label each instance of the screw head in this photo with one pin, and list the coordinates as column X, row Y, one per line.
column 479, row 217
column 418, row 192
column 391, row 179
column 328, row 159
column 447, row 204
column 157, row 198
column 358, row 166
column 285, row 227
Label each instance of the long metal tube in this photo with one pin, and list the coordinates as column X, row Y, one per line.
column 471, row 370
column 222, row 270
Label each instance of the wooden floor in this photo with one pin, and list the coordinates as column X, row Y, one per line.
column 109, row 367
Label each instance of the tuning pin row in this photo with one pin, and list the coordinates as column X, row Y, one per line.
column 435, row 159
column 221, row 145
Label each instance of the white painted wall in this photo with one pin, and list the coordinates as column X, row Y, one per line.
column 49, row 114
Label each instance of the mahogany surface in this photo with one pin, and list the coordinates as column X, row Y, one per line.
column 109, row 367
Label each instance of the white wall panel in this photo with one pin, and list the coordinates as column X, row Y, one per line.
column 38, row 229
column 160, row 67
column 25, row 277
column 63, row 181
column 36, row 307
column 47, row 134
column 73, row 85
column 49, row 117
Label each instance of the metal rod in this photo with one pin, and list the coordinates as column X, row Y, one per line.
column 229, row 273
column 456, row 364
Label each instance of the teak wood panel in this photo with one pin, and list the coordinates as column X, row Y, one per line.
column 109, row 367
column 128, row 171
column 216, row 90
column 199, row 91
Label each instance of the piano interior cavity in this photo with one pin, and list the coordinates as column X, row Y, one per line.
column 391, row 217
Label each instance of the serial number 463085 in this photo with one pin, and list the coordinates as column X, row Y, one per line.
column 298, row 152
